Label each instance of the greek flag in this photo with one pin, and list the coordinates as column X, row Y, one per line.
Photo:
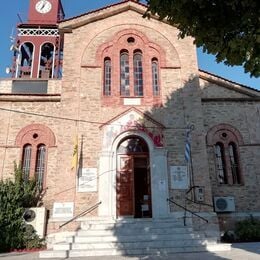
column 188, row 144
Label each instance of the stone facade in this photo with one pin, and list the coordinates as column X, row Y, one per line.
column 76, row 107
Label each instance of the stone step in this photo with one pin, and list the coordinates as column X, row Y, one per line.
column 134, row 245
column 129, row 231
column 137, row 252
column 129, row 220
column 139, row 238
column 132, row 225
column 53, row 254
column 130, row 245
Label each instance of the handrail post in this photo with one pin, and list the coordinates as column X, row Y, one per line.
column 185, row 212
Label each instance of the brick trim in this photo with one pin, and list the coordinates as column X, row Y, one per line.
column 227, row 134
column 149, row 51
column 235, row 136
column 45, row 135
column 35, row 134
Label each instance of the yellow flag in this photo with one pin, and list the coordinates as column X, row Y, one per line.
column 75, row 154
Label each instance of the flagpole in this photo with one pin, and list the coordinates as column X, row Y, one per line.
column 188, row 157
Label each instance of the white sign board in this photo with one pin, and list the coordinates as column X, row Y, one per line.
column 63, row 209
column 87, row 180
column 179, row 177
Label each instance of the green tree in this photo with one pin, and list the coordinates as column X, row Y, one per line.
column 15, row 196
column 230, row 30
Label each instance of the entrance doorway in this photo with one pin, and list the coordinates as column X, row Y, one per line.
column 133, row 181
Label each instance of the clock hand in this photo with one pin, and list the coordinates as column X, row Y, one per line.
column 43, row 5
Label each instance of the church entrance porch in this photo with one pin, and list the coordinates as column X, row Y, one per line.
column 133, row 182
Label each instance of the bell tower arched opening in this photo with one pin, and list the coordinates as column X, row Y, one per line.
column 133, row 179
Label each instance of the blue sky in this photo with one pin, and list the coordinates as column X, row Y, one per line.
column 9, row 19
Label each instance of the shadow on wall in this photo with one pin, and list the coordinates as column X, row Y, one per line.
column 155, row 239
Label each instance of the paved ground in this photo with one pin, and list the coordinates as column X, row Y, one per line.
column 240, row 251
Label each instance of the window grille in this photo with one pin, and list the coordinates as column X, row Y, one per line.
column 124, row 74
column 26, row 162
column 40, row 165
column 107, row 77
column 220, row 163
column 155, row 77
column 138, row 74
column 234, row 163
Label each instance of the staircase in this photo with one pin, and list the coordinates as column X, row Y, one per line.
column 133, row 237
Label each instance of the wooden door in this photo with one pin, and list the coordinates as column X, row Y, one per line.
column 124, row 186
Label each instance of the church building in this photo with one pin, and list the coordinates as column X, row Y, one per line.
column 111, row 115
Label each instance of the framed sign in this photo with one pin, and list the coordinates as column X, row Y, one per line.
column 63, row 209
column 87, row 181
column 179, row 177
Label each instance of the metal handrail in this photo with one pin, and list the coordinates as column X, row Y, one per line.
column 193, row 213
column 81, row 214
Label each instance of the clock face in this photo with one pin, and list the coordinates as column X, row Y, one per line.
column 43, row 6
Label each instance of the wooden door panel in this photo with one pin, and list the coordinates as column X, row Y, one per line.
column 125, row 185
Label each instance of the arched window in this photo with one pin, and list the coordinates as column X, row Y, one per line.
column 40, row 165
column 26, row 161
column 35, row 140
column 25, row 59
column 27, row 54
column 46, row 61
column 233, row 159
column 107, row 77
column 138, row 74
column 133, row 145
column 226, row 140
column 124, row 74
column 155, row 77
column 220, row 163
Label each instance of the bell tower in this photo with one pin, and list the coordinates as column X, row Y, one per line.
column 38, row 49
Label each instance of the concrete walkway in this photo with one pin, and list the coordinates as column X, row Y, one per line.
column 240, row 251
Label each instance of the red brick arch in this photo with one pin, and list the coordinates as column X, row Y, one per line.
column 235, row 136
column 224, row 135
column 149, row 51
column 35, row 134
column 118, row 43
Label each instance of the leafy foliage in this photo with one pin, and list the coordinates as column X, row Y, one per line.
column 248, row 230
column 230, row 30
column 15, row 196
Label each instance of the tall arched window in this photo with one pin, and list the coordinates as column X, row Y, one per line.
column 138, row 73
column 46, row 61
column 35, row 140
column 226, row 140
column 26, row 161
column 220, row 163
column 25, row 57
column 40, row 165
column 233, row 159
column 107, row 77
column 124, row 73
column 155, row 77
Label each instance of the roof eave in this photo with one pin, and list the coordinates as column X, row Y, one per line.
column 100, row 14
column 228, row 84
